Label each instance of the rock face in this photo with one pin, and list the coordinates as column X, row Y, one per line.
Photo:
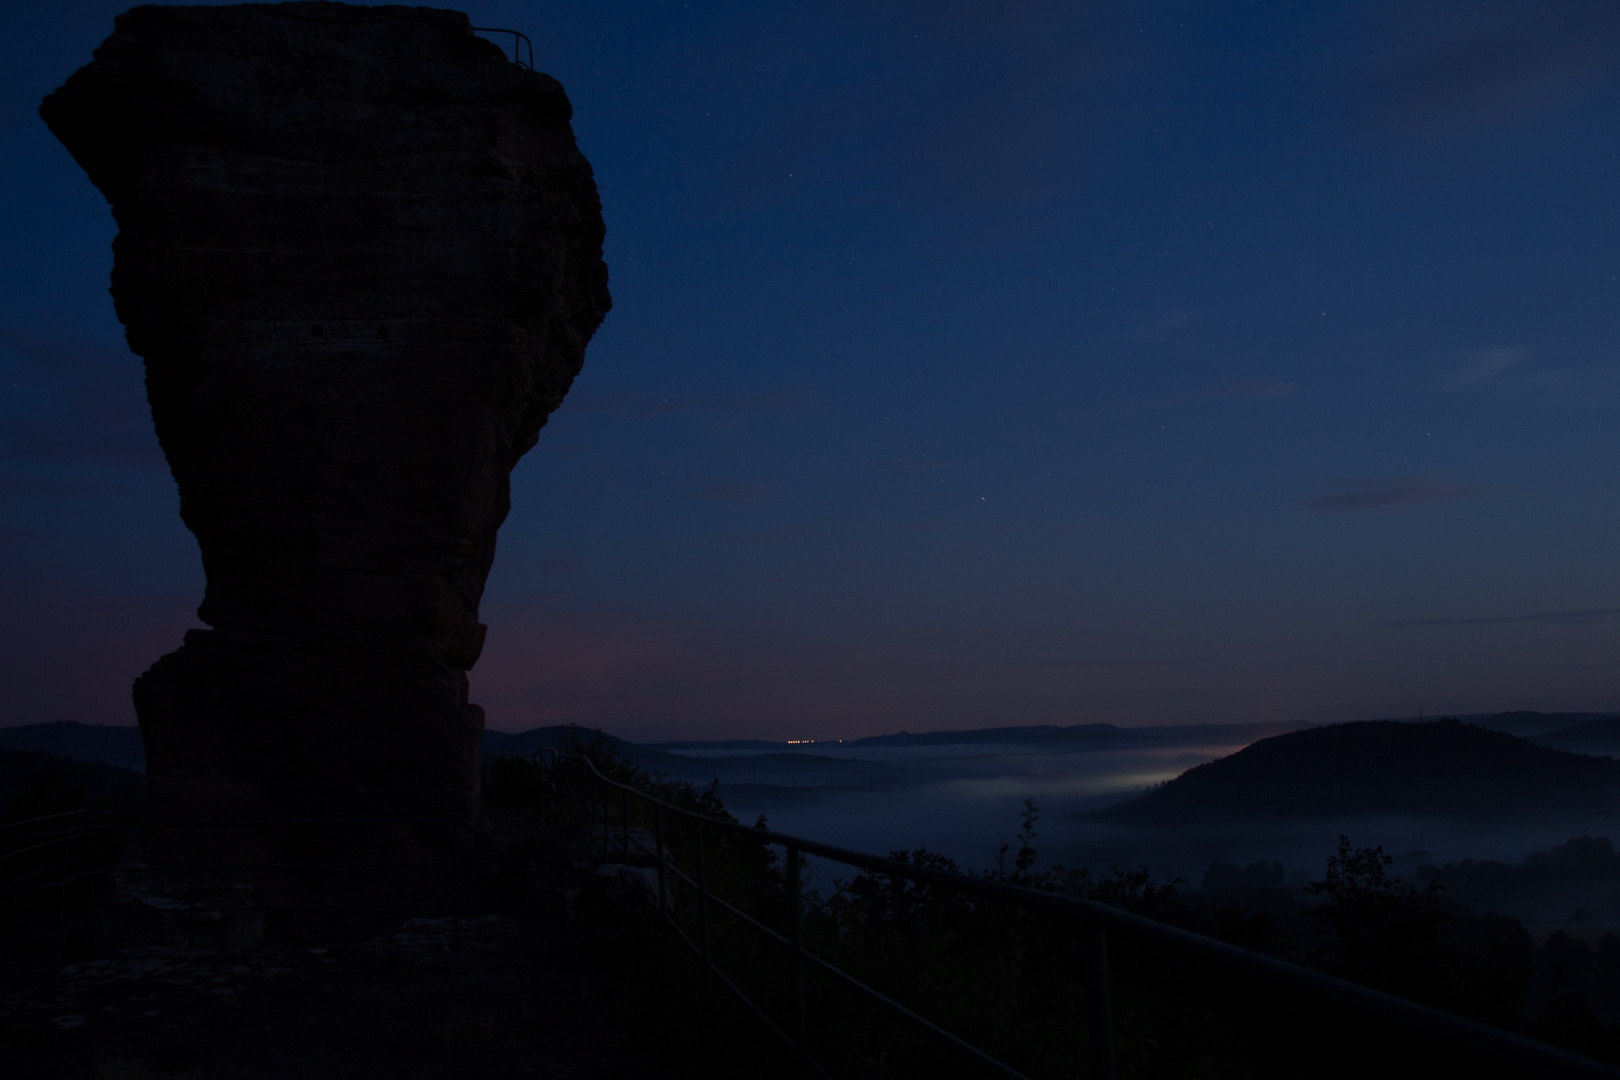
column 362, row 257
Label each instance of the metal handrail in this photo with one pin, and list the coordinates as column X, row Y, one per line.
column 519, row 40
column 1098, row 918
column 934, row 1031
column 65, row 814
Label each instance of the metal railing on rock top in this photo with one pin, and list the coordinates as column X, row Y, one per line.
column 520, row 41
column 1510, row 1051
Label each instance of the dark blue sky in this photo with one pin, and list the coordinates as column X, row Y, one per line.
column 970, row 364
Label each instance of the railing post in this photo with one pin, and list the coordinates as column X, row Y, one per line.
column 658, row 833
column 602, row 790
column 61, row 897
column 455, row 885
column 624, row 821
column 191, row 894
column 1099, row 1012
column 703, row 906
column 795, row 899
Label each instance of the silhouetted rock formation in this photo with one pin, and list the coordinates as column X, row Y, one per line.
column 1441, row 769
column 361, row 256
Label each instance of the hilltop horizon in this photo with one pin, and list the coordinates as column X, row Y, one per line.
column 1537, row 726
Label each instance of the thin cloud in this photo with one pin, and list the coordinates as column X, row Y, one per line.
column 968, row 105
column 30, row 485
column 648, row 405
column 1486, row 366
column 913, row 463
column 1060, row 668
column 1385, row 494
column 73, row 400
column 1165, row 329
column 1259, row 389
column 17, row 536
column 746, row 493
column 1507, row 370
column 1456, row 66
column 1550, row 618
column 776, row 537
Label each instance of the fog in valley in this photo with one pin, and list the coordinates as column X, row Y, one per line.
column 1497, row 805
column 964, row 801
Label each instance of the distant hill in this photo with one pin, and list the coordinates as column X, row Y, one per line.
column 1529, row 725
column 1075, row 737
column 730, row 745
column 1437, row 769
column 1592, row 737
column 738, row 769
column 33, row 783
column 1087, row 736
column 119, row 746
column 527, row 742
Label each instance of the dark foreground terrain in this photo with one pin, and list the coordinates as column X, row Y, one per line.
column 516, row 1000
column 572, row 977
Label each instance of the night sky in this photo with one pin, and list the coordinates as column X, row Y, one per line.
column 970, row 364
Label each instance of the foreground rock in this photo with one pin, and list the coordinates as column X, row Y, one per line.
column 361, row 256
column 517, row 999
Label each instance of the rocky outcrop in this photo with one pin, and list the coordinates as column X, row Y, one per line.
column 361, row 256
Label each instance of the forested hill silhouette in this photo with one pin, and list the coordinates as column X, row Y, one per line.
column 34, row 783
column 82, row 742
column 527, row 742
column 1438, row 769
column 1528, row 724
column 1600, row 736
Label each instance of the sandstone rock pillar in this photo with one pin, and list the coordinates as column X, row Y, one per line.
column 361, row 256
